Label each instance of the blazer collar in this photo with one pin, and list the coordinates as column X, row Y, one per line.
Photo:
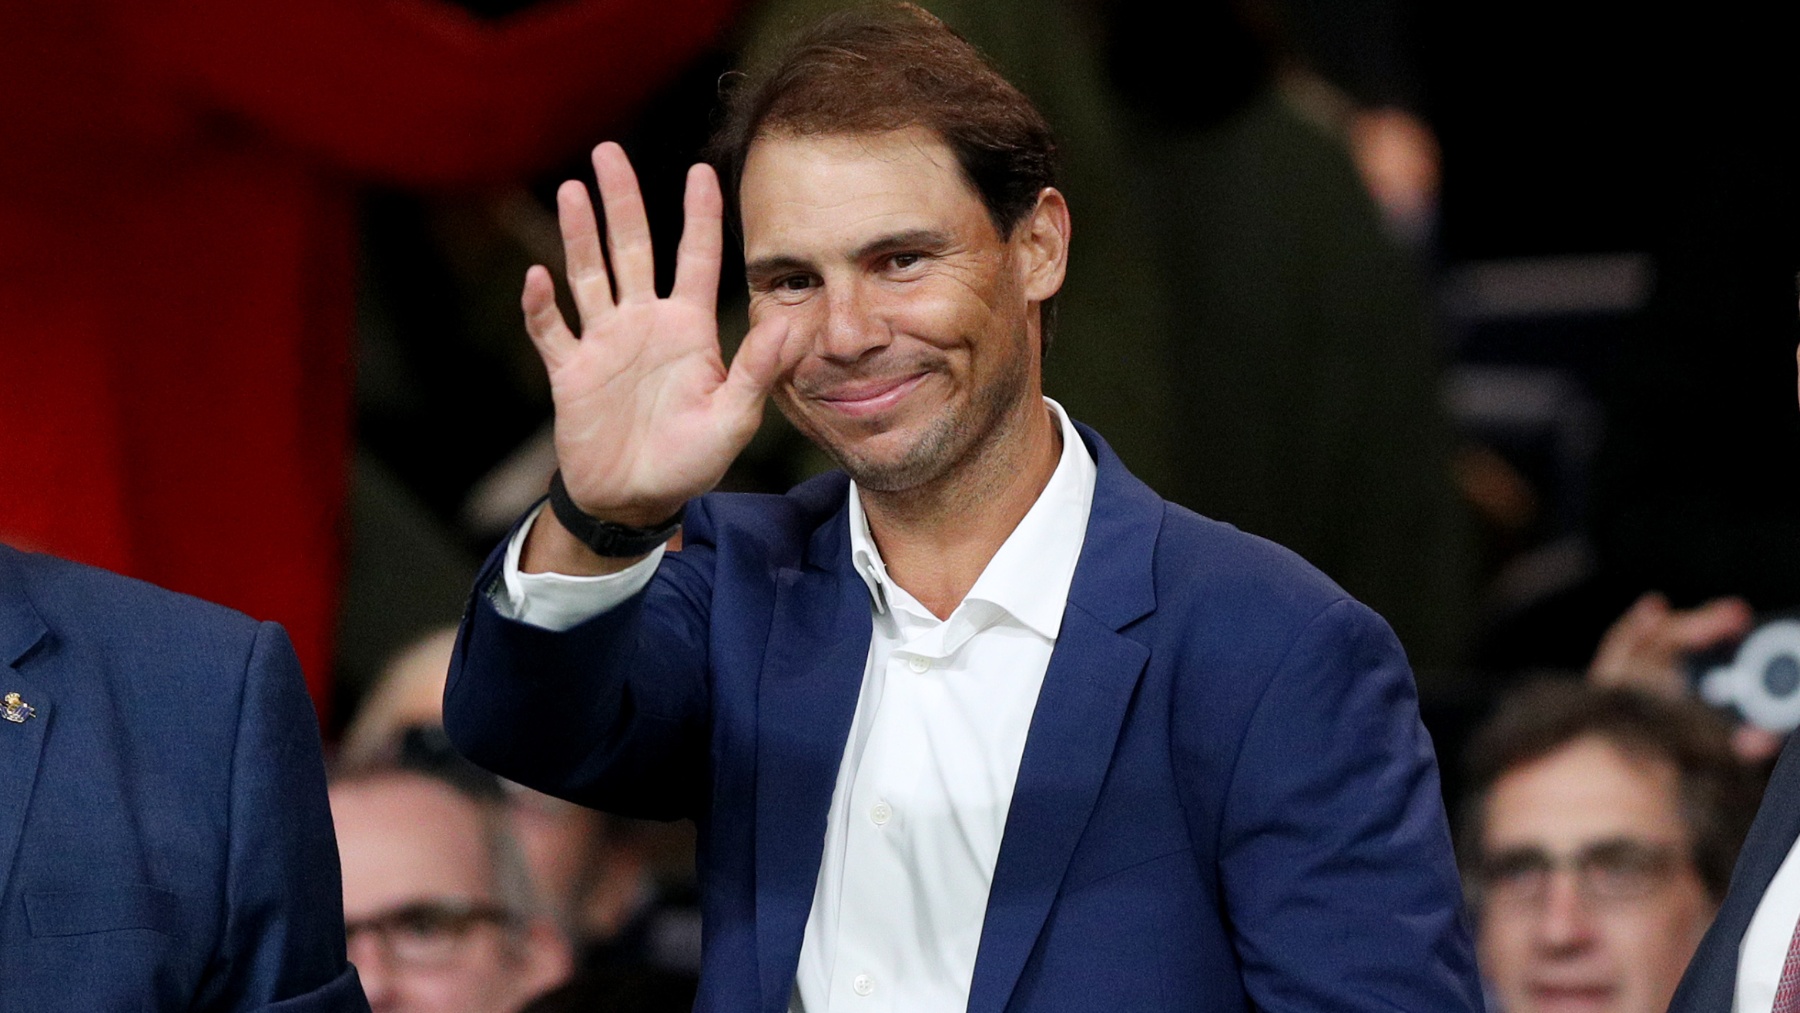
column 1711, row 977
column 1114, row 580
column 827, row 497
column 21, row 745
column 1081, row 708
column 21, row 627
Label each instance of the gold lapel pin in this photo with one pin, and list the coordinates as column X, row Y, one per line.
column 14, row 708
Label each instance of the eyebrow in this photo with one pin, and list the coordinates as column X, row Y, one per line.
column 1615, row 845
column 762, row 269
column 928, row 240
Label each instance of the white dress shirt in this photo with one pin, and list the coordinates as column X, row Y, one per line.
column 1764, row 948
column 927, row 775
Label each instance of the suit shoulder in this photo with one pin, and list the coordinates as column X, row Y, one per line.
column 95, row 609
column 1209, row 563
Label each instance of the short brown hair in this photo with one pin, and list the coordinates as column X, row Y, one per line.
column 1718, row 792
column 880, row 67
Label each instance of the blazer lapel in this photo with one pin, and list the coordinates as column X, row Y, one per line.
column 1087, row 690
column 1711, row 978
column 811, row 677
column 21, row 742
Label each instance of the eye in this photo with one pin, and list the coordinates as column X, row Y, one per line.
column 1627, row 869
column 1516, row 873
column 794, row 282
column 424, row 923
column 902, row 261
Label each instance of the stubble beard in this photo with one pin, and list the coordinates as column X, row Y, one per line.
column 951, row 441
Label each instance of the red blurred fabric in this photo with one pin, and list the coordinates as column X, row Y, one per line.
column 177, row 243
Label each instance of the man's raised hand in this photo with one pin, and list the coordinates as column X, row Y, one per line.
column 647, row 415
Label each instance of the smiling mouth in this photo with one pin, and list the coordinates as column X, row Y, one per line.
column 1571, row 997
column 871, row 397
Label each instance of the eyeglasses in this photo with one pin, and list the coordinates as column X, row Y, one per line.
column 428, row 933
column 1606, row 873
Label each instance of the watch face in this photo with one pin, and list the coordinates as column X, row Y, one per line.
column 1761, row 679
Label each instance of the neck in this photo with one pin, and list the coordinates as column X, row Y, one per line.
column 937, row 538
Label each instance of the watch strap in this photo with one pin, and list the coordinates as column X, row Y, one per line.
column 617, row 541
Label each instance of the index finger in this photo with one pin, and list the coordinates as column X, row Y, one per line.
column 702, row 241
column 582, row 260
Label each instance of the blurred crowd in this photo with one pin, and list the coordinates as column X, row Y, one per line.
column 1489, row 314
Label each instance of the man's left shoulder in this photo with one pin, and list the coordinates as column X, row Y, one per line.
column 1199, row 561
column 1221, row 597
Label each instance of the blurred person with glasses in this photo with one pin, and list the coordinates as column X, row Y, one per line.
column 440, row 913
column 1598, row 838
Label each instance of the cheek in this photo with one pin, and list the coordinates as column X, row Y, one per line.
column 486, row 980
column 940, row 312
column 1666, row 939
column 792, row 408
column 444, row 988
column 1504, row 945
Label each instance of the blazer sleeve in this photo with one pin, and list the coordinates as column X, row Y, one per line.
column 1339, row 877
column 282, row 945
column 612, row 713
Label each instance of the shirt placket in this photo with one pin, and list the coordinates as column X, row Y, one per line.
column 880, row 897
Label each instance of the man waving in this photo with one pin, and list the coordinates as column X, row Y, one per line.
column 978, row 722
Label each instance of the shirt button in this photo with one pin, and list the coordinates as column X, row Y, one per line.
column 862, row 984
column 881, row 813
column 919, row 664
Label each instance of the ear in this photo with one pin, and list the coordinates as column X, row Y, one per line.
column 1042, row 244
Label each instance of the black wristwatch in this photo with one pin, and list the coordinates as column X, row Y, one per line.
column 619, row 541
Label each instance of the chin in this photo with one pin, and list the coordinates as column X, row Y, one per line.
column 1592, row 999
column 887, row 473
column 896, row 461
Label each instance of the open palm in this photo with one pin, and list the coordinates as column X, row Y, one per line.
column 647, row 414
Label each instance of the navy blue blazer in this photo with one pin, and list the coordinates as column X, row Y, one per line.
column 165, row 840
column 1711, row 979
column 1226, row 799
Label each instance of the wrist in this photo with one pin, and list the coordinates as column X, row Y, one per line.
column 549, row 548
column 616, row 534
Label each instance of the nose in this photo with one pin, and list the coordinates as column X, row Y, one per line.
column 1565, row 922
column 852, row 327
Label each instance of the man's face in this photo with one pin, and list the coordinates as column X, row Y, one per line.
column 911, row 348
column 1591, row 901
column 426, row 931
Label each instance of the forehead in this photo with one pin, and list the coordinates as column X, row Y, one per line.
column 403, row 839
column 839, row 189
column 1587, row 791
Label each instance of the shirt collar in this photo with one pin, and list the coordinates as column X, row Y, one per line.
column 1029, row 576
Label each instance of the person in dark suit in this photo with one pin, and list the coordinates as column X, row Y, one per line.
column 1734, row 969
column 1746, row 959
column 979, row 722
column 165, row 842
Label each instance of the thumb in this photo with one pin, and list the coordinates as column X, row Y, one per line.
column 755, row 367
